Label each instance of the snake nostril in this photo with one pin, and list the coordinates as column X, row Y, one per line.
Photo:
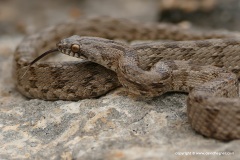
column 59, row 45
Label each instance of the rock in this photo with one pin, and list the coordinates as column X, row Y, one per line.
column 114, row 126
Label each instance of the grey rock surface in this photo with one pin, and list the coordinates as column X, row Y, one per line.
column 114, row 126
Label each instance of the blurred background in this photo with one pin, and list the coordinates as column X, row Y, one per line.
column 20, row 17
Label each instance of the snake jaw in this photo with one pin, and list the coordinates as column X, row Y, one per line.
column 64, row 48
column 83, row 57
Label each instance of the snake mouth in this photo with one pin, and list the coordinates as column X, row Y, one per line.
column 82, row 56
column 69, row 52
column 65, row 51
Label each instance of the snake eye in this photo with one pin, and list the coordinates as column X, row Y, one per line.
column 75, row 47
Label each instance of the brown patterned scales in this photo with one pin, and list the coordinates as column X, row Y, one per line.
column 148, row 69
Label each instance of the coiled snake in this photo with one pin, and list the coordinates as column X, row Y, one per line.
column 148, row 69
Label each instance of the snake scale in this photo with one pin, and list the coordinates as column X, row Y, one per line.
column 203, row 63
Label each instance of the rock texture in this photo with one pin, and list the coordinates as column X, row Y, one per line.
column 113, row 127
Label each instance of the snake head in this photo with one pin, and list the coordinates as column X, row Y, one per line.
column 80, row 47
column 99, row 50
column 71, row 46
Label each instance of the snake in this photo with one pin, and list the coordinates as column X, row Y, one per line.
column 171, row 58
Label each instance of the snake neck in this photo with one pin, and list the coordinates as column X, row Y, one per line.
column 102, row 51
column 123, row 60
column 148, row 83
column 120, row 58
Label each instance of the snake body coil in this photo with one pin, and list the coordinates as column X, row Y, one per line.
column 148, row 69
